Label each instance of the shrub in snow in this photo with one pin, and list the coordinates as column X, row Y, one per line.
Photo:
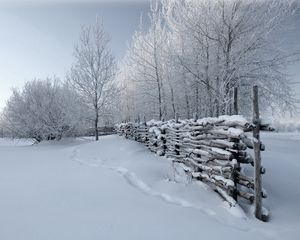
column 287, row 126
column 42, row 110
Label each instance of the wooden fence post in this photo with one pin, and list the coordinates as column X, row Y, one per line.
column 177, row 151
column 235, row 101
column 257, row 162
column 195, row 117
column 176, row 117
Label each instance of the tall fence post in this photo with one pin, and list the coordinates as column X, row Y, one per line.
column 176, row 117
column 257, row 162
column 195, row 117
column 235, row 101
column 177, row 147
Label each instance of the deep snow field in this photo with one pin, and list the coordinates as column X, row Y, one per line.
column 116, row 189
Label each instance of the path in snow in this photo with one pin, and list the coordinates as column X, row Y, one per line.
column 117, row 189
column 139, row 184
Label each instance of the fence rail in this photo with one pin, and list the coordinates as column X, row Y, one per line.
column 212, row 150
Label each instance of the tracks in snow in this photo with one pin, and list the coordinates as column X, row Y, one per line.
column 134, row 181
column 140, row 185
column 137, row 183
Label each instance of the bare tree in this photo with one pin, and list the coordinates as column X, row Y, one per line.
column 232, row 45
column 145, row 60
column 195, row 53
column 93, row 73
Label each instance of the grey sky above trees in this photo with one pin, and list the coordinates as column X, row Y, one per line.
column 37, row 36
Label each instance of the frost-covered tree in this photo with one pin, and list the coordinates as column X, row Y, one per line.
column 145, row 61
column 43, row 110
column 206, row 49
column 2, row 126
column 92, row 75
column 231, row 44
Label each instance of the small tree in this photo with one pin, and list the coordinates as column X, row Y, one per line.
column 92, row 75
column 43, row 110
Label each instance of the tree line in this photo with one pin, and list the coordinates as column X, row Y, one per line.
column 188, row 60
column 195, row 53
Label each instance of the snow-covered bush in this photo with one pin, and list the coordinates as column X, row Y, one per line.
column 287, row 126
column 43, row 110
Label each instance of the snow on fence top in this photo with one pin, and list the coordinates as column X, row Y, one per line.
column 209, row 149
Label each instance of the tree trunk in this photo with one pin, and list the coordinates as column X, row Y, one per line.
column 159, row 99
column 173, row 102
column 217, row 107
column 187, row 101
column 207, row 81
column 197, row 99
column 96, row 125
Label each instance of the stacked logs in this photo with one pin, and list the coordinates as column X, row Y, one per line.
column 210, row 150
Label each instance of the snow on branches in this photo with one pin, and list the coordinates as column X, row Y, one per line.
column 195, row 53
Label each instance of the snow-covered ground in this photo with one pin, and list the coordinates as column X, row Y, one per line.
column 117, row 189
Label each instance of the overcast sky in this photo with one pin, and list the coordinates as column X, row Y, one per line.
column 37, row 36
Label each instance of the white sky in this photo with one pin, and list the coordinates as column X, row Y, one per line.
column 37, row 36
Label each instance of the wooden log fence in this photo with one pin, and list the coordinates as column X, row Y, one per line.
column 212, row 150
